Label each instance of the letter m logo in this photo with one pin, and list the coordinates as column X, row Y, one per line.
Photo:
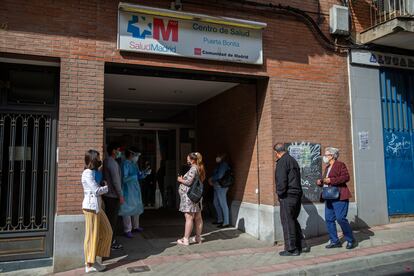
column 171, row 29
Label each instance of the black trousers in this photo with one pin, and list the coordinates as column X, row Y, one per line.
column 289, row 212
column 112, row 206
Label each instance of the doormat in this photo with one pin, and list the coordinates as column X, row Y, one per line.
column 160, row 231
column 138, row 269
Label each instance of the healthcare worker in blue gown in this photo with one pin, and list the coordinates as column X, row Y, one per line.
column 132, row 207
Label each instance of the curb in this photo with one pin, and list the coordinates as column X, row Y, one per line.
column 352, row 265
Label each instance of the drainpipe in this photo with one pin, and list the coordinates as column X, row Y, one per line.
column 258, row 160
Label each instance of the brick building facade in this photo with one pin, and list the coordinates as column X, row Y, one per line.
column 300, row 93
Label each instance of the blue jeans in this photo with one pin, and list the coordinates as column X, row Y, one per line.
column 220, row 204
column 337, row 210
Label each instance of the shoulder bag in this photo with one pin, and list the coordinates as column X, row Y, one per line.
column 195, row 193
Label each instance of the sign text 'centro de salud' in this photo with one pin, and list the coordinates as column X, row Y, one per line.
column 139, row 31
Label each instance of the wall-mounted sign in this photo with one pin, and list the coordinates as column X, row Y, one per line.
column 174, row 36
column 381, row 59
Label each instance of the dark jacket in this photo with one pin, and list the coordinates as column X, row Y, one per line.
column 287, row 176
column 339, row 176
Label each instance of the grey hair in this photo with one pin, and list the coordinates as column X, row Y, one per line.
column 279, row 147
column 333, row 151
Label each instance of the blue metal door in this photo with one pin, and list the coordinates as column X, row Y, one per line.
column 397, row 96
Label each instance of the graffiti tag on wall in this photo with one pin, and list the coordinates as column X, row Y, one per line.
column 308, row 156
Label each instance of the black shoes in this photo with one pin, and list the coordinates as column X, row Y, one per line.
column 305, row 249
column 216, row 223
column 223, row 226
column 116, row 246
column 334, row 245
column 351, row 245
column 287, row 253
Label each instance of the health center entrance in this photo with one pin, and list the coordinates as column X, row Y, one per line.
column 167, row 113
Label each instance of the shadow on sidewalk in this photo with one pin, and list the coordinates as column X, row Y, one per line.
column 315, row 224
column 161, row 230
column 361, row 230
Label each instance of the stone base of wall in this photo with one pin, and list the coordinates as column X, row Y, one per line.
column 263, row 221
column 68, row 244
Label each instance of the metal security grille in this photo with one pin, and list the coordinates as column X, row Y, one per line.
column 397, row 94
column 25, row 164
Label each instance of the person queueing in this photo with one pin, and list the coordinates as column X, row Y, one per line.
column 191, row 210
column 98, row 232
column 220, row 193
column 133, row 206
column 336, row 210
column 114, row 198
column 289, row 192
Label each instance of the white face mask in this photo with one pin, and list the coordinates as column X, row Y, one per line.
column 325, row 159
column 135, row 159
column 218, row 159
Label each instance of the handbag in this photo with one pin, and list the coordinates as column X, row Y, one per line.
column 195, row 193
column 227, row 180
column 330, row 192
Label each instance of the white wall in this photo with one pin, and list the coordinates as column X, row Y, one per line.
column 369, row 168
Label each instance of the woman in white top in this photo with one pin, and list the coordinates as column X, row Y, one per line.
column 98, row 231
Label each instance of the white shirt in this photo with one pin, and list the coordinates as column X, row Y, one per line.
column 91, row 191
column 327, row 174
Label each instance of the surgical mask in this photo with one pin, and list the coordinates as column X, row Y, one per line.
column 218, row 159
column 325, row 159
column 135, row 159
column 118, row 154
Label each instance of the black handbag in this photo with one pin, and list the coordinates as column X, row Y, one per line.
column 227, row 180
column 195, row 193
column 330, row 192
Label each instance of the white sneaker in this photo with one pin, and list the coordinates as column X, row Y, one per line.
column 90, row 269
column 99, row 267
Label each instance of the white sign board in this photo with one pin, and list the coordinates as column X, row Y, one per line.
column 186, row 38
column 378, row 59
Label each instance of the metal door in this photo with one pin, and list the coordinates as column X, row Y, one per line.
column 397, row 94
column 25, row 184
column 28, row 123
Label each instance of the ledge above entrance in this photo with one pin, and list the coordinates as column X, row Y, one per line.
column 192, row 16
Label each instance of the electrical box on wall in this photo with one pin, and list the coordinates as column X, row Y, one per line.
column 339, row 20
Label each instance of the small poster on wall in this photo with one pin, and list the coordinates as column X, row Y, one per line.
column 363, row 140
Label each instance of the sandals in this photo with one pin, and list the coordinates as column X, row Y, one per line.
column 195, row 240
column 183, row 241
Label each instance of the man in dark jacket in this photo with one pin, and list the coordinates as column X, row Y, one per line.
column 289, row 191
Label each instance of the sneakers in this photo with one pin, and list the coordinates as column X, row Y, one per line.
column 129, row 235
column 90, row 269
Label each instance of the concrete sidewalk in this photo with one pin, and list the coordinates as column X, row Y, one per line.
column 243, row 255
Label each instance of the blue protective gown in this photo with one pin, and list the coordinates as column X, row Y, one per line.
column 131, row 189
